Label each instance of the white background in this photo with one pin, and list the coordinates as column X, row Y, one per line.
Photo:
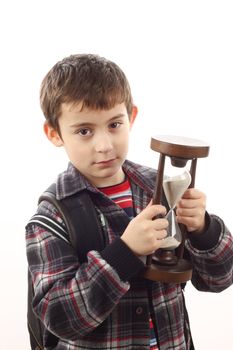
column 178, row 56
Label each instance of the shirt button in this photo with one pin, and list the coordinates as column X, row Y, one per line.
column 139, row 310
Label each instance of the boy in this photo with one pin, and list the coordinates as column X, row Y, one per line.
column 104, row 303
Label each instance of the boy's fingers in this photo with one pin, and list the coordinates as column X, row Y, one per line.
column 161, row 224
column 192, row 193
column 152, row 211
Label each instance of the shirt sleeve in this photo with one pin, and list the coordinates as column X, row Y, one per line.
column 71, row 299
column 211, row 254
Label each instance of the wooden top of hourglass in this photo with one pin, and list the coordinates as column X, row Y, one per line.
column 179, row 147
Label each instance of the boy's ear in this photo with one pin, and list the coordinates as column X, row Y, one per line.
column 133, row 115
column 52, row 135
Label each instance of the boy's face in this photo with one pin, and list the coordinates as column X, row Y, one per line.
column 96, row 141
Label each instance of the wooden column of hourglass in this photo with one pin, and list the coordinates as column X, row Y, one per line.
column 169, row 266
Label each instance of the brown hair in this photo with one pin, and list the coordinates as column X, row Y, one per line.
column 90, row 79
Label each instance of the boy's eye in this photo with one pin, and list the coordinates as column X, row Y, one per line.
column 84, row 132
column 115, row 125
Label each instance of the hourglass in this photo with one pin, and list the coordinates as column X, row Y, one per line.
column 174, row 187
column 167, row 264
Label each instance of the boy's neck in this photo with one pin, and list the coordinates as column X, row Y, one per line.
column 114, row 185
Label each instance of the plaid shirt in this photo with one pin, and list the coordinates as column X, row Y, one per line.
column 104, row 303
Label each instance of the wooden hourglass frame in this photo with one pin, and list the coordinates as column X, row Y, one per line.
column 169, row 266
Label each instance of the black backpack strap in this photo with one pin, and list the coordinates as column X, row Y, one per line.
column 34, row 325
column 82, row 221
column 51, row 225
column 84, row 224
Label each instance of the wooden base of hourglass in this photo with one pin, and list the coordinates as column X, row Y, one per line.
column 165, row 265
column 181, row 272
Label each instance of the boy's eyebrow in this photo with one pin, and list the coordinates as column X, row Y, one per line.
column 120, row 115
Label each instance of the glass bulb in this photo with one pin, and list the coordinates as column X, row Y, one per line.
column 174, row 187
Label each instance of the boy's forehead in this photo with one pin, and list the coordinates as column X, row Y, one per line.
column 77, row 107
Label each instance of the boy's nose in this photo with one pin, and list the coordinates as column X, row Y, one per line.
column 103, row 143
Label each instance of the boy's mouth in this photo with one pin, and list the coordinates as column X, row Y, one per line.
column 106, row 162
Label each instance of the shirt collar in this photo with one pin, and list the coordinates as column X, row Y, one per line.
column 72, row 181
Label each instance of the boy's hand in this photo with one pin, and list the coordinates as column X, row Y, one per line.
column 144, row 235
column 191, row 210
